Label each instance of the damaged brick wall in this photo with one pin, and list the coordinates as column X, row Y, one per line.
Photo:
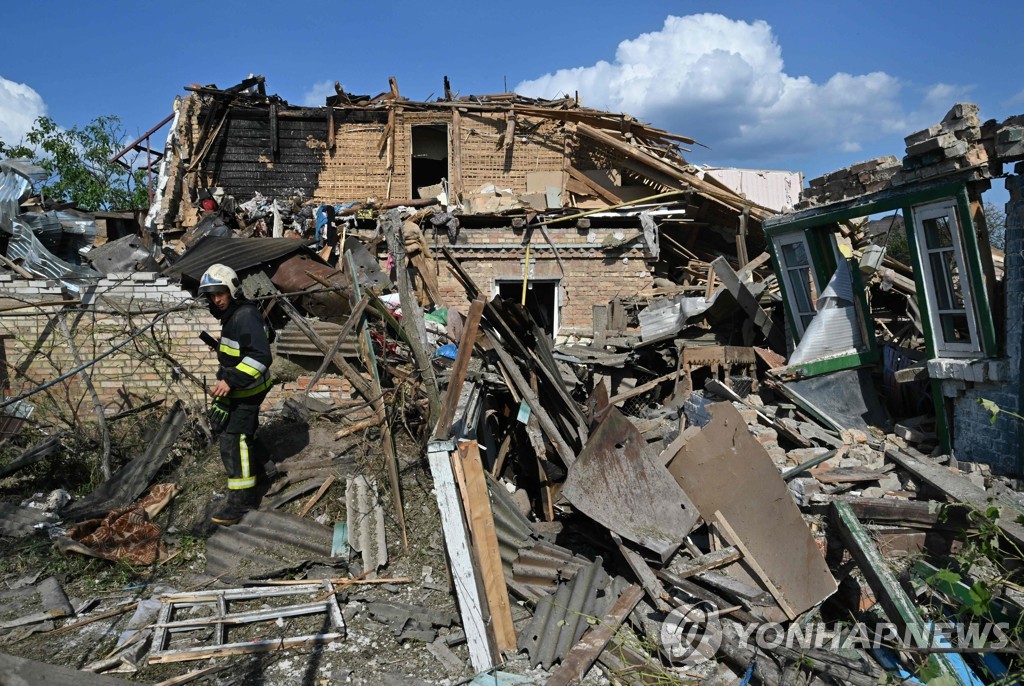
column 977, row 438
column 594, row 275
column 136, row 373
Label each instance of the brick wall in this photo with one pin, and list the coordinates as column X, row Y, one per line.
column 593, row 274
column 976, row 438
column 136, row 373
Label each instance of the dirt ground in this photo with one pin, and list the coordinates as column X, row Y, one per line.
column 371, row 653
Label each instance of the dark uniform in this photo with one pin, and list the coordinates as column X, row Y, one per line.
column 244, row 358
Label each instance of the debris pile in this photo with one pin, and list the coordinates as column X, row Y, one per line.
column 703, row 484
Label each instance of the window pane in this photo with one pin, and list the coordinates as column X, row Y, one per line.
column 794, row 254
column 943, row 286
column 954, row 328
column 937, row 233
column 800, row 285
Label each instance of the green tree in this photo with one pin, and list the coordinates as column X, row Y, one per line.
column 78, row 161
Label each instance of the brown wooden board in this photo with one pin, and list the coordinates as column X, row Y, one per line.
column 725, row 469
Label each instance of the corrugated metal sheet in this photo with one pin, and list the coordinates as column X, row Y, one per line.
column 292, row 341
column 513, row 529
column 835, row 329
column 130, row 481
column 14, row 183
column 26, row 248
column 366, row 523
column 20, row 521
column 776, row 190
column 238, row 253
column 540, row 568
column 560, row 619
column 265, row 544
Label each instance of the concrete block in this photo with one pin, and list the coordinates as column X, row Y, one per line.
column 944, row 140
column 923, row 135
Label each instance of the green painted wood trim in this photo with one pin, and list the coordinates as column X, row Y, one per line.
column 863, row 206
column 832, row 364
column 972, row 256
column 899, row 607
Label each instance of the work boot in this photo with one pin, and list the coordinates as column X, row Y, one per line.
column 238, row 503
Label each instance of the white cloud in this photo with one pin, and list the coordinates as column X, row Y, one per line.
column 723, row 82
column 20, row 106
column 316, row 95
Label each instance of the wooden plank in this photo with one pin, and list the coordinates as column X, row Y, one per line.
column 960, row 489
column 652, row 586
column 735, row 540
column 592, row 186
column 847, row 475
column 643, row 388
column 316, row 496
column 481, row 653
column 582, row 656
column 354, row 317
column 485, row 544
column 749, row 304
column 723, row 468
column 377, row 402
column 469, row 333
column 543, row 418
column 899, row 607
column 703, row 563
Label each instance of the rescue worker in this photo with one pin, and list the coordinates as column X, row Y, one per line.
column 243, row 381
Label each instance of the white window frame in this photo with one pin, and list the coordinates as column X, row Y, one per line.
column 946, row 208
column 557, row 322
column 790, row 290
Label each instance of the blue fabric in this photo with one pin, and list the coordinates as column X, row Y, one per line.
column 450, row 351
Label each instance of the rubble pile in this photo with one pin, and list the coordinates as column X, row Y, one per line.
column 739, row 472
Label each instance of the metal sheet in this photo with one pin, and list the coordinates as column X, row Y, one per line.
column 238, row 253
column 366, row 523
column 560, row 619
column 26, row 248
column 265, row 544
column 292, row 341
column 844, row 400
column 130, row 481
column 777, row 190
column 125, row 254
column 619, row 481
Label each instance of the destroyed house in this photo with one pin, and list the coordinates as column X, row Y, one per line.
column 949, row 320
column 572, row 205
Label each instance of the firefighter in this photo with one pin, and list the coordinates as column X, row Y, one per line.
column 243, row 381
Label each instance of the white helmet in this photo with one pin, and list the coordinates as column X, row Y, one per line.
column 220, row 276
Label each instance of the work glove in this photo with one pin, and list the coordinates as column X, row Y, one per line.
column 218, row 416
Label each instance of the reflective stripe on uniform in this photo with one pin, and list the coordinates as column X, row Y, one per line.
column 254, row 364
column 248, row 479
column 258, row 388
column 229, row 347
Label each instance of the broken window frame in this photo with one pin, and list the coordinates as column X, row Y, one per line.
column 905, row 199
column 786, row 271
column 923, row 255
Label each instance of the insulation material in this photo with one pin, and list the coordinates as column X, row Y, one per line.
column 836, row 329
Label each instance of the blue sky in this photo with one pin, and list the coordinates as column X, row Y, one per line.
column 808, row 86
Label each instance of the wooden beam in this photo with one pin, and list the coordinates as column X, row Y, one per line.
column 592, row 186
column 485, row 544
column 748, row 303
column 899, row 607
column 582, row 656
column 481, row 653
column 458, row 375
